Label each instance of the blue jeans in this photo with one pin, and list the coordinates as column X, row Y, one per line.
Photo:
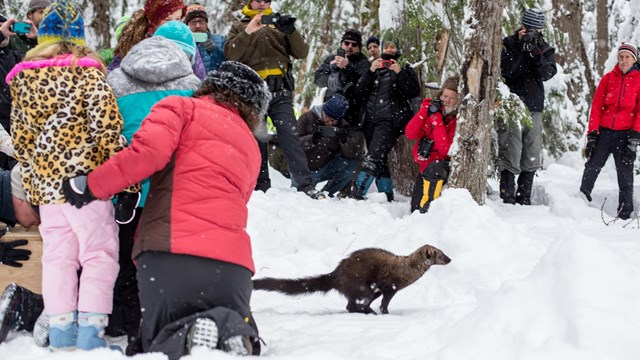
column 338, row 172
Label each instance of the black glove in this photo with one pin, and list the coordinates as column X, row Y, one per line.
column 592, row 140
column 629, row 151
column 10, row 256
column 77, row 191
column 126, row 205
column 208, row 45
column 285, row 24
column 435, row 107
column 342, row 135
column 317, row 135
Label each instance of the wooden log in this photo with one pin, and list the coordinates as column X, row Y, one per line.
column 30, row 274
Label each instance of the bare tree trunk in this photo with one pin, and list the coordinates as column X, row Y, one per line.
column 571, row 53
column 602, row 35
column 479, row 75
column 101, row 24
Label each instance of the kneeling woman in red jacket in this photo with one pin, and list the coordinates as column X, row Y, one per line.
column 193, row 252
column 434, row 127
column 614, row 125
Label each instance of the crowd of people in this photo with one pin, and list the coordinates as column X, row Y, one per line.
column 150, row 152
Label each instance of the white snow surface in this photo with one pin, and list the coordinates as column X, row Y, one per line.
column 548, row 281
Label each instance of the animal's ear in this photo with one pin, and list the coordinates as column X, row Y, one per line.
column 431, row 252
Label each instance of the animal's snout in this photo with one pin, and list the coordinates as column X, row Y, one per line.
column 445, row 259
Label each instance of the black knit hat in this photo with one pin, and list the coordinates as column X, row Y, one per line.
column 373, row 39
column 242, row 81
column 336, row 107
column 533, row 19
column 353, row 35
column 192, row 14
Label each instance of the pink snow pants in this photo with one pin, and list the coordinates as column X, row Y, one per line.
column 76, row 239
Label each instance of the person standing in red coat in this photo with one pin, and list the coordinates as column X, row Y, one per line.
column 614, row 128
column 202, row 161
column 434, row 127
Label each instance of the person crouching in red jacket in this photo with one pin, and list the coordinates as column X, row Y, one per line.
column 194, row 261
column 614, row 128
column 434, row 127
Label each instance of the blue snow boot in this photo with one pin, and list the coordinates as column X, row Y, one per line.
column 363, row 182
column 385, row 185
column 63, row 331
column 91, row 330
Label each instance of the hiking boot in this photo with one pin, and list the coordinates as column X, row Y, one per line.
column 585, row 196
column 41, row 330
column 203, row 332
column 507, row 187
column 525, row 183
column 19, row 310
column 91, row 330
column 313, row 193
column 63, row 331
column 238, row 345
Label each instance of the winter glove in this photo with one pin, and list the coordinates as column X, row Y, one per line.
column 435, row 107
column 10, row 256
column 208, row 45
column 285, row 24
column 77, row 191
column 342, row 135
column 629, row 152
column 126, row 205
column 592, row 140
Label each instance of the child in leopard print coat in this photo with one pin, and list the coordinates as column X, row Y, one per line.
column 65, row 123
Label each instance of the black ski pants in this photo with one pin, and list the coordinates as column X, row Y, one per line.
column 428, row 185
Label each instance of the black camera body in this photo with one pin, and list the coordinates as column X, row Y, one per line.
column 424, row 147
column 271, row 19
column 529, row 40
column 436, row 106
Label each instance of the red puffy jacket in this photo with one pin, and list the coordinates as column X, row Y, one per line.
column 203, row 163
column 440, row 130
column 616, row 103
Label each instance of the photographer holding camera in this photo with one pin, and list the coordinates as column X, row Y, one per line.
column 386, row 90
column 334, row 151
column 266, row 41
column 527, row 61
column 340, row 73
column 434, row 127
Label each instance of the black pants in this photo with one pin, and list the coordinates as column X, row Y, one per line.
column 611, row 142
column 176, row 289
column 381, row 137
column 126, row 314
column 281, row 113
column 428, row 185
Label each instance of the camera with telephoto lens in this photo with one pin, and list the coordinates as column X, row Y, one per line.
column 424, row 147
column 436, row 106
column 529, row 40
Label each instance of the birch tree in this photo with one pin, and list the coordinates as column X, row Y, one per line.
column 479, row 75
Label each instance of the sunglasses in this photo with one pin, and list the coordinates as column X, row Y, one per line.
column 350, row 43
column 262, row 1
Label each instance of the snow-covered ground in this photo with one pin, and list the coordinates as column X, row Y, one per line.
column 549, row 281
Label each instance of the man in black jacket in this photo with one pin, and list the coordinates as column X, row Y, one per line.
column 386, row 89
column 333, row 150
column 340, row 73
column 527, row 61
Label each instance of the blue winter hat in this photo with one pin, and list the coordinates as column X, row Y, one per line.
column 533, row 19
column 180, row 34
column 336, row 107
column 61, row 22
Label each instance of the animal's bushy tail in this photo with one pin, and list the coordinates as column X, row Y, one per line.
column 308, row 285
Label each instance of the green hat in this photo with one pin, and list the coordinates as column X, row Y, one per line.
column 121, row 24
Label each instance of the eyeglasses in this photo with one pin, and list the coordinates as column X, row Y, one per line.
column 350, row 43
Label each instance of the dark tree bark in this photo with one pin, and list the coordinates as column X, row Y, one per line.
column 101, row 24
column 479, row 75
column 602, row 35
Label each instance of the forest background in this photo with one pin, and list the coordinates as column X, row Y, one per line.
column 585, row 34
